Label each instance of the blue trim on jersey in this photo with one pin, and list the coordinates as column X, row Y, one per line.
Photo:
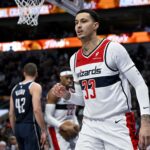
column 103, row 81
column 106, row 60
column 75, row 61
column 61, row 106
column 125, row 96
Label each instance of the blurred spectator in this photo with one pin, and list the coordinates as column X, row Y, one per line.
column 12, row 143
column 3, row 145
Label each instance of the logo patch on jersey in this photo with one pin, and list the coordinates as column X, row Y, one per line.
column 97, row 54
column 118, row 120
column 97, row 58
column 89, row 72
column 20, row 92
column 145, row 107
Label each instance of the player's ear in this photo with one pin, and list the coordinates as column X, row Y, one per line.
column 96, row 25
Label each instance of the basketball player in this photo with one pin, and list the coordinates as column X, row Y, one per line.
column 59, row 113
column 25, row 112
column 101, row 70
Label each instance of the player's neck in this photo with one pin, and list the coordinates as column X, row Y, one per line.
column 29, row 79
column 90, row 44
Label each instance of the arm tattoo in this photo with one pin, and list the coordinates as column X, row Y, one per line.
column 146, row 118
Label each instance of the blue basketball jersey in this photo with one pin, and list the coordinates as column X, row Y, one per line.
column 23, row 103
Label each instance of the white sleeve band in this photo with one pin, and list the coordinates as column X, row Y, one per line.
column 142, row 95
column 141, row 89
column 50, row 120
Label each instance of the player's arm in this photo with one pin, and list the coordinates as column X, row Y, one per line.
column 66, row 128
column 126, row 66
column 77, row 96
column 141, row 89
column 73, row 97
column 49, row 112
column 50, row 109
column 11, row 113
column 36, row 92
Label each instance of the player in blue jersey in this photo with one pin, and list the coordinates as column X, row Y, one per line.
column 25, row 112
column 102, row 71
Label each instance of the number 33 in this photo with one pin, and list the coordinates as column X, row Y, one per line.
column 92, row 84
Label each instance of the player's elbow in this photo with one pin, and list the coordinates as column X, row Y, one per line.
column 47, row 119
column 11, row 114
column 37, row 111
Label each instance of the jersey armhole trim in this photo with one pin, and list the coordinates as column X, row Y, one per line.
column 127, row 100
column 75, row 61
column 14, row 89
column 106, row 59
column 30, row 84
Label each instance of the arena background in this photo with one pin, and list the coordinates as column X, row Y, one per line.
column 53, row 41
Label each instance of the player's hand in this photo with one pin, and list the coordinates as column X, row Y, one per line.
column 144, row 134
column 60, row 91
column 43, row 138
column 69, row 130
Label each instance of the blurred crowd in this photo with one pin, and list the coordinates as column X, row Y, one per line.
column 49, row 63
column 7, row 140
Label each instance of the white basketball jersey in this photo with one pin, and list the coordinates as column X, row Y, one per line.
column 100, row 74
column 65, row 111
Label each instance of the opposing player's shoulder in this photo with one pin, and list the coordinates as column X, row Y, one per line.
column 14, row 88
column 35, row 85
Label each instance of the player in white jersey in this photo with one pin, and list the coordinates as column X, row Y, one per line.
column 101, row 70
column 57, row 114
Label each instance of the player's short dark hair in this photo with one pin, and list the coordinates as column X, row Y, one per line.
column 91, row 12
column 30, row 69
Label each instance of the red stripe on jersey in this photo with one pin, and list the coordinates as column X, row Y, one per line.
column 54, row 138
column 132, row 131
column 96, row 56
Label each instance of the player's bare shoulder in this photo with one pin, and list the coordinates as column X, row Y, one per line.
column 51, row 98
column 34, row 87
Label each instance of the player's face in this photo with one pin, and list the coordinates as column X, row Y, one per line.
column 85, row 26
column 67, row 80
